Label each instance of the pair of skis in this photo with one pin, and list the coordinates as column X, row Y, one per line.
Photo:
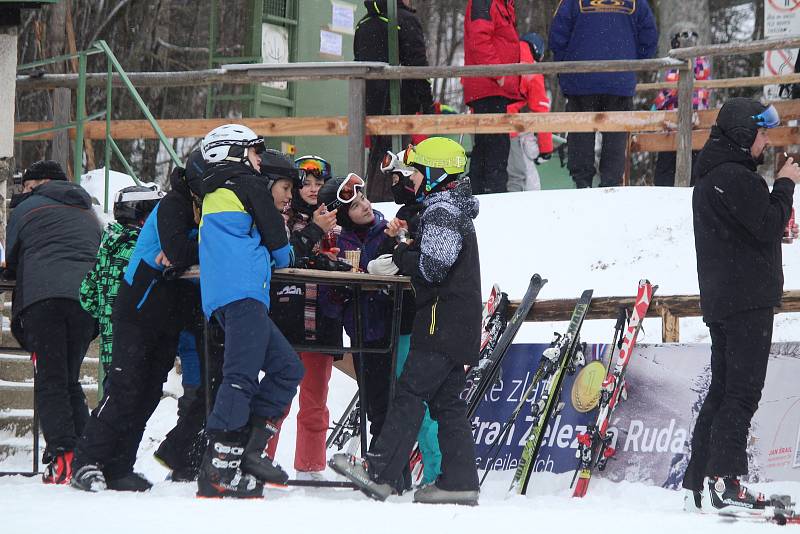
column 595, row 445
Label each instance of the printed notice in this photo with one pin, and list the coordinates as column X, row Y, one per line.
column 330, row 43
column 342, row 17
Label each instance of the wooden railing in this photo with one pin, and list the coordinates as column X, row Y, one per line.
column 357, row 125
column 669, row 307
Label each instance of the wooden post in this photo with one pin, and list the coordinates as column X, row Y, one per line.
column 356, row 117
column 683, row 164
column 62, row 104
column 626, row 175
column 670, row 326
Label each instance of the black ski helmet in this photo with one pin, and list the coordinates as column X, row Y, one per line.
column 133, row 204
column 536, row 44
column 276, row 165
column 193, row 174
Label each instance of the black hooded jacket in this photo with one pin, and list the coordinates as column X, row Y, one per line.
column 371, row 43
column 738, row 225
column 52, row 240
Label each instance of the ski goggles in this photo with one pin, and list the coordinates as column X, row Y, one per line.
column 314, row 165
column 347, row 191
column 768, row 118
column 135, row 196
column 686, row 35
column 392, row 162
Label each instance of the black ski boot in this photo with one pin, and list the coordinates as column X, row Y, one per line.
column 255, row 460
column 87, row 477
column 356, row 470
column 129, row 482
column 727, row 493
column 220, row 475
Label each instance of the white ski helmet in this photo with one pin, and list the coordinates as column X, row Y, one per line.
column 230, row 142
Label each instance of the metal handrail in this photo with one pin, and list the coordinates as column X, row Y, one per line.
column 81, row 118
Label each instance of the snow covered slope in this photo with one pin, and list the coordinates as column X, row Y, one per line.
column 605, row 239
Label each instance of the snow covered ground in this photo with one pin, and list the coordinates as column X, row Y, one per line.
column 603, row 239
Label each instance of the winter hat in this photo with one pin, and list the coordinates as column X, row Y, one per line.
column 44, row 170
column 738, row 121
column 276, row 165
column 536, row 43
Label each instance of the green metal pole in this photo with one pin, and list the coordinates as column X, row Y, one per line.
column 107, row 165
column 394, row 59
column 139, row 102
column 80, row 117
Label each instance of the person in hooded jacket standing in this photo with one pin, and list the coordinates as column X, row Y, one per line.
column 371, row 43
column 490, row 38
column 444, row 265
column 52, row 239
column 149, row 313
column 738, row 227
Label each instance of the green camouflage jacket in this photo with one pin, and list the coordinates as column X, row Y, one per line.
column 99, row 288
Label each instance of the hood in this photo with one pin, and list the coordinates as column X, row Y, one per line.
column 68, row 193
column 216, row 175
column 718, row 150
column 460, row 196
column 378, row 7
column 119, row 234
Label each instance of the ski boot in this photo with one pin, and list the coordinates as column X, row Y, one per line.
column 727, row 493
column 88, row 477
column 180, row 470
column 59, row 467
column 220, row 475
column 255, row 460
column 130, row 482
column 432, row 494
column 356, row 470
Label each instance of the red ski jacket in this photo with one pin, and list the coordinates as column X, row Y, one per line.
column 531, row 88
column 490, row 38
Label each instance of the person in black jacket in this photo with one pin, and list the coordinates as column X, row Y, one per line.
column 150, row 312
column 738, row 226
column 52, row 238
column 444, row 265
column 371, row 43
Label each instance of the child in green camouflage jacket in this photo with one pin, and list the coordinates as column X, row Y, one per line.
column 99, row 289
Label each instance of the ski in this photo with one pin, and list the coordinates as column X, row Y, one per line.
column 501, row 334
column 594, row 445
column 346, row 428
column 563, row 357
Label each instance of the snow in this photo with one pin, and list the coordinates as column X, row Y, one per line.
column 603, row 239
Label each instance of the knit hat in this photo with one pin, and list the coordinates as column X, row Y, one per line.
column 44, row 170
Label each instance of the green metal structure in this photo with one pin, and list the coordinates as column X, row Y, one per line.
column 113, row 66
column 278, row 33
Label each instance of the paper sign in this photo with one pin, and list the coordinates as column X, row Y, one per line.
column 781, row 19
column 342, row 17
column 275, row 49
column 330, row 43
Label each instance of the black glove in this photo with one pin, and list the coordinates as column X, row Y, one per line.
column 541, row 158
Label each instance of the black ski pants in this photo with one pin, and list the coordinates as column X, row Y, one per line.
column 580, row 146
column 739, row 354
column 665, row 169
column 489, row 161
column 434, row 378
column 58, row 333
column 377, row 377
column 143, row 354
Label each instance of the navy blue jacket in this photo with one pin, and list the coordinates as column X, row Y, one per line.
column 592, row 30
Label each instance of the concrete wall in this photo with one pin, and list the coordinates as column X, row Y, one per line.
column 8, row 74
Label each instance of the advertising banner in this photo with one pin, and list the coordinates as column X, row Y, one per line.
column 652, row 428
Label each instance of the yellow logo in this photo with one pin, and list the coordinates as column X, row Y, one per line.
column 586, row 388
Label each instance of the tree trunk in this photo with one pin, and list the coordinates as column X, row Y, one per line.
column 679, row 15
column 55, row 44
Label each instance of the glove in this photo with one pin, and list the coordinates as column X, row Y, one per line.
column 543, row 157
column 383, row 264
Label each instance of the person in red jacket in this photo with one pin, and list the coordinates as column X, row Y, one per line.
column 529, row 149
column 490, row 38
